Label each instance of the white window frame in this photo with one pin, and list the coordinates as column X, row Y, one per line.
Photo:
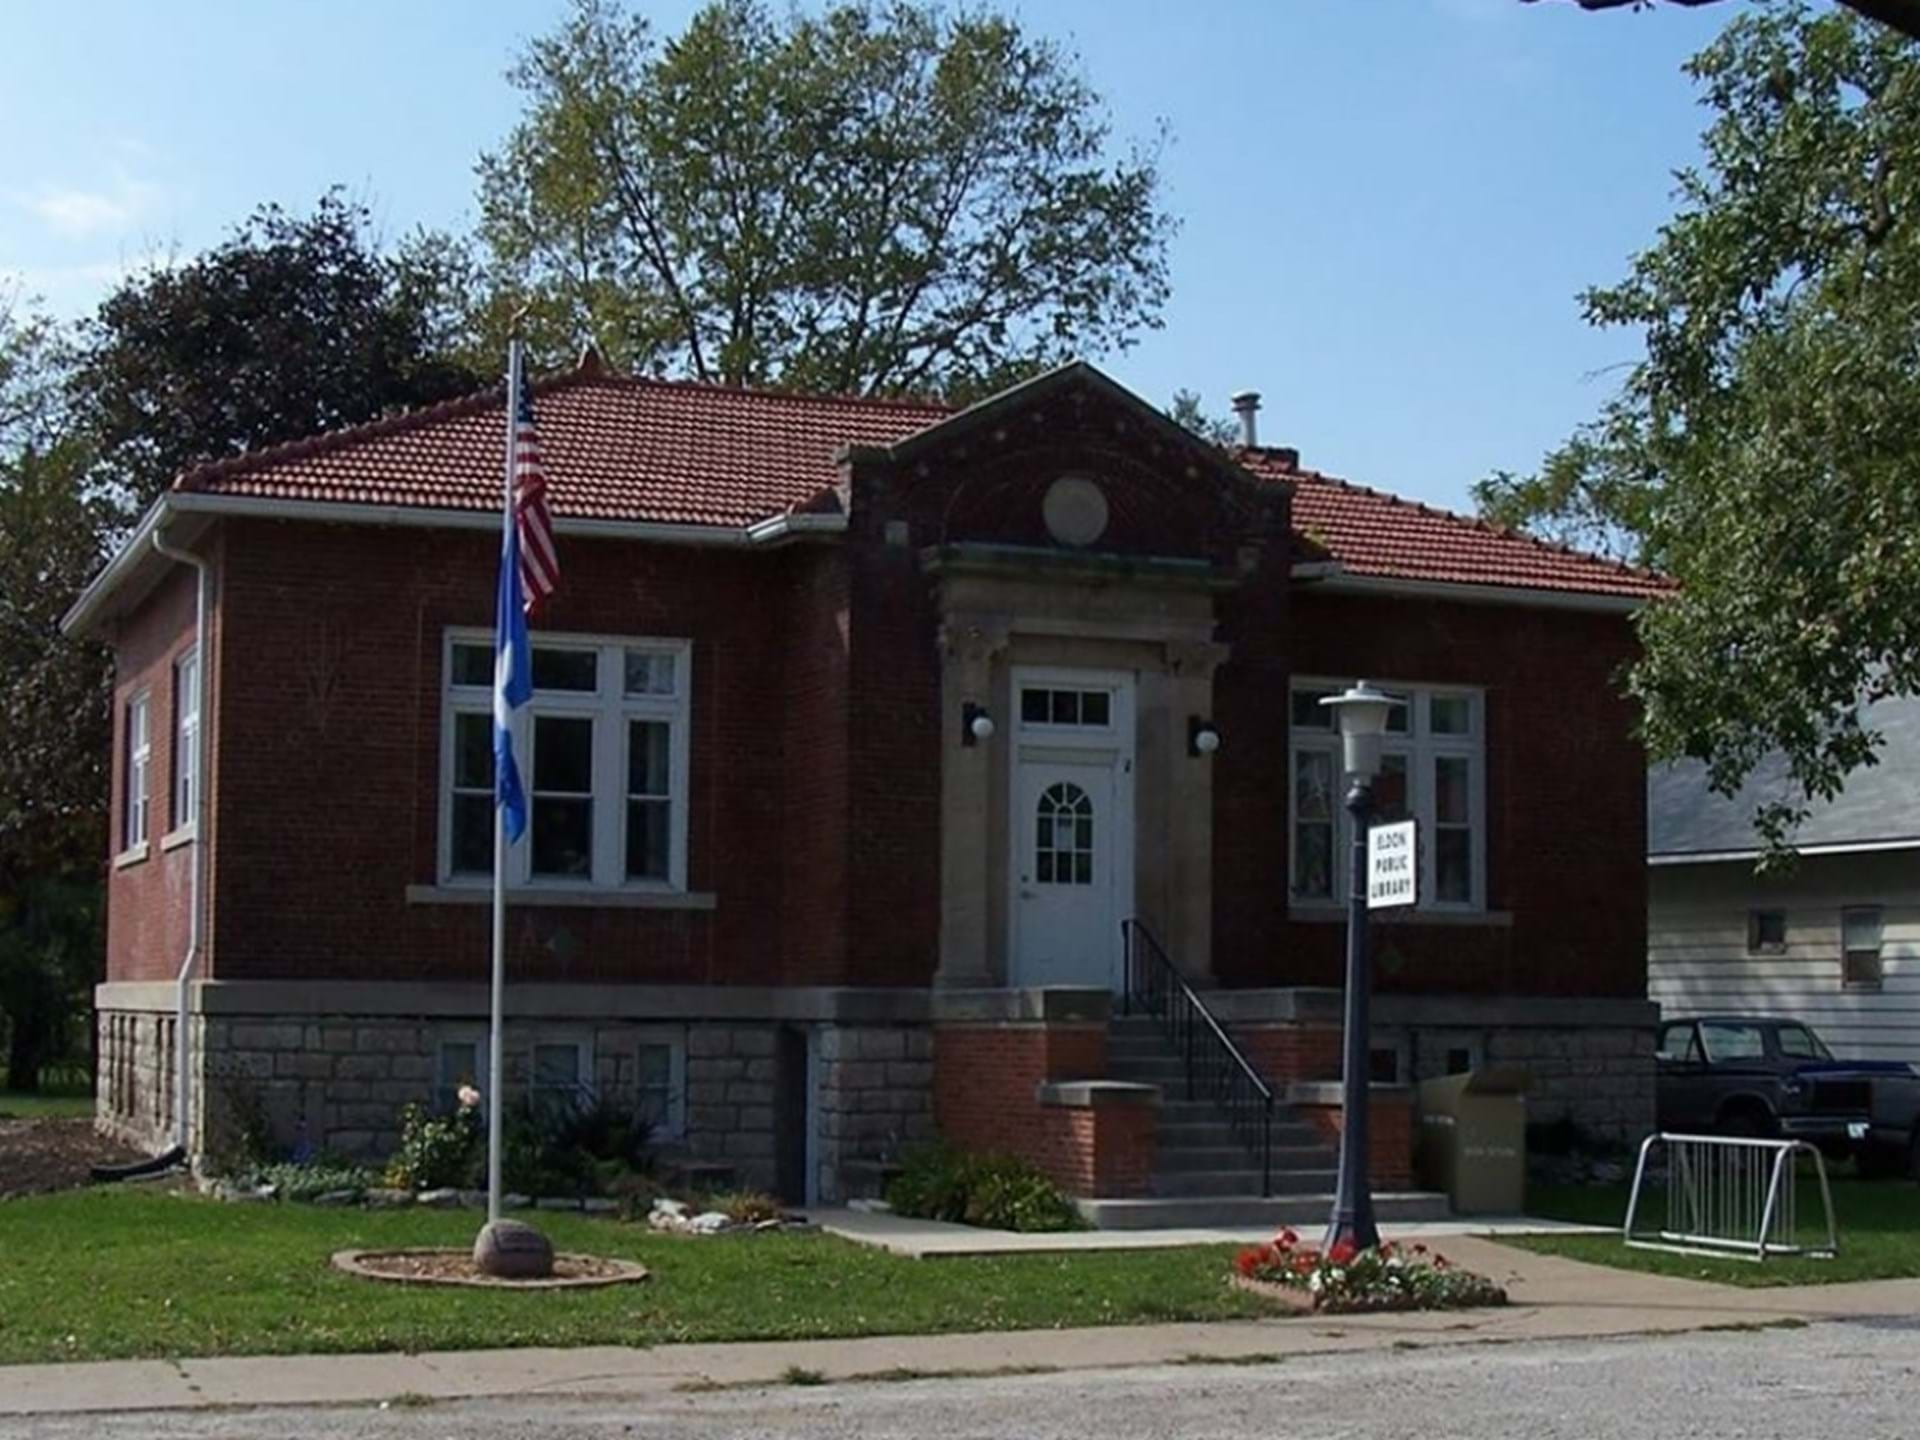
column 137, row 779
column 186, row 741
column 611, row 709
column 674, row 1040
column 1421, row 747
column 444, row 1084
column 1878, row 916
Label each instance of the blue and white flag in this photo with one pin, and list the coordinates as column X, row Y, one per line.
column 525, row 579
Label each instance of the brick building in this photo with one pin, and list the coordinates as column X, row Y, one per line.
column 780, row 887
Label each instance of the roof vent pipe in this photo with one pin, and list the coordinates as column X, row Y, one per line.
column 1246, row 404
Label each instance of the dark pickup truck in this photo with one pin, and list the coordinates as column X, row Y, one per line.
column 1752, row 1075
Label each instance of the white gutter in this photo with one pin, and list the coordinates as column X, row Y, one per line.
column 1830, row 847
column 202, row 661
column 794, row 527
column 1337, row 580
column 774, row 530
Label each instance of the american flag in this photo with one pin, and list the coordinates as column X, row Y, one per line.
column 539, row 561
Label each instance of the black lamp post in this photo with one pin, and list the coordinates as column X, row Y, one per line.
column 1362, row 713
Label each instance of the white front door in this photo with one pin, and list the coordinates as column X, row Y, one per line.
column 1072, row 818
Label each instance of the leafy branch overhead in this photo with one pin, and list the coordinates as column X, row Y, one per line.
column 1902, row 15
column 1763, row 450
column 879, row 197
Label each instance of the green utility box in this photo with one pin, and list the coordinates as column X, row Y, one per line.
column 1473, row 1140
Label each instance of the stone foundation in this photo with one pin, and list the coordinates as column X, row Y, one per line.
column 339, row 1079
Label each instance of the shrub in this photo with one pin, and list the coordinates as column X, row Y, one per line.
column 305, row 1182
column 746, row 1207
column 1344, row 1280
column 573, row 1150
column 437, row 1151
column 999, row 1192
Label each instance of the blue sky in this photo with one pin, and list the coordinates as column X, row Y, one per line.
column 1388, row 206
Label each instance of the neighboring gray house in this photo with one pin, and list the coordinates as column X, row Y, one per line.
column 1835, row 941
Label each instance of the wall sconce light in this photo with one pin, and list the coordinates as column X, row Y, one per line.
column 1203, row 736
column 976, row 725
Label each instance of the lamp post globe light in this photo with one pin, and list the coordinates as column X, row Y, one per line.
column 1361, row 713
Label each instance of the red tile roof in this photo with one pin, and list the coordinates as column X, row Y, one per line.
column 613, row 449
column 673, row 452
column 1371, row 533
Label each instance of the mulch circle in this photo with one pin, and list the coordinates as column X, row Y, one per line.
column 456, row 1267
column 41, row 1155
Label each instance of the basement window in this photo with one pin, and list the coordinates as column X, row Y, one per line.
column 1766, row 932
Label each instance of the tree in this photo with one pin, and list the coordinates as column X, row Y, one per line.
column 1189, row 412
column 1902, row 15
column 293, row 325
column 882, row 197
column 1764, row 449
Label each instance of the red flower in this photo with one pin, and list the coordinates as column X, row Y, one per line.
column 1287, row 1239
column 1250, row 1261
column 1304, row 1262
column 1386, row 1249
column 1342, row 1252
column 1418, row 1248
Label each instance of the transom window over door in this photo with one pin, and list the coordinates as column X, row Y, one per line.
column 1063, row 848
column 602, row 747
column 1432, row 771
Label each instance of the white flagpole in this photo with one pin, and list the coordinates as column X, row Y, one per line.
column 496, row 1098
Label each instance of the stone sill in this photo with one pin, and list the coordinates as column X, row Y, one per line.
column 1046, row 1005
column 174, row 839
column 134, row 856
column 1333, row 1092
column 1095, row 1094
column 574, row 897
column 1337, row 915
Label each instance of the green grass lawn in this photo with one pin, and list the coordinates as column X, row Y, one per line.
column 1879, row 1223
column 104, row 1274
column 45, row 1104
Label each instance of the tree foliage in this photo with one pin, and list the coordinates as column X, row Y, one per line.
column 880, row 197
column 1902, row 15
column 1189, row 412
column 293, row 325
column 1765, row 449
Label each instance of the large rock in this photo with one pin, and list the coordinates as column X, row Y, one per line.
column 512, row 1250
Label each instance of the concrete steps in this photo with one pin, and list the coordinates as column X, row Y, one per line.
column 1205, row 1173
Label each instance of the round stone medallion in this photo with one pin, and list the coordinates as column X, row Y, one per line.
column 1075, row 510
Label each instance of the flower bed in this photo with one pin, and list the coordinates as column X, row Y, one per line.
column 1344, row 1280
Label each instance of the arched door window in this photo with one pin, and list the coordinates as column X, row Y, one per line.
column 1063, row 854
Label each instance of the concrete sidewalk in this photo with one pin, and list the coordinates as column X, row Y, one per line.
column 934, row 1239
column 1554, row 1299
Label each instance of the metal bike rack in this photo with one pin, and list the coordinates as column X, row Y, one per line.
column 1729, row 1197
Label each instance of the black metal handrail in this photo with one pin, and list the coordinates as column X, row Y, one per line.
column 1216, row 1070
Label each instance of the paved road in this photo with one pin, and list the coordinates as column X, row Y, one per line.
column 1858, row 1379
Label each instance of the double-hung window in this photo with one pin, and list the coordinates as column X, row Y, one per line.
column 186, row 737
column 602, row 751
column 1432, row 771
column 139, row 742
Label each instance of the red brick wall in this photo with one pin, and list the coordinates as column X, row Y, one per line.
column 1285, row 1053
column 148, row 902
column 1389, row 1137
column 984, row 1081
column 1566, row 806
column 331, row 737
column 814, row 716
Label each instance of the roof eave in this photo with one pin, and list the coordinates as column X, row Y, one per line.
column 1336, row 579
column 1829, row 847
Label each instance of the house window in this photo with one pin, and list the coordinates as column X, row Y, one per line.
column 1860, row 930
column 139, row 741
column 1063, row 852
column 459, row 1062
column 1766, row 932
column 660, row 1085
column 602, row 749
column 562, row 1077
column 186, row 737
column 1432, row 771
column 1060, row 707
